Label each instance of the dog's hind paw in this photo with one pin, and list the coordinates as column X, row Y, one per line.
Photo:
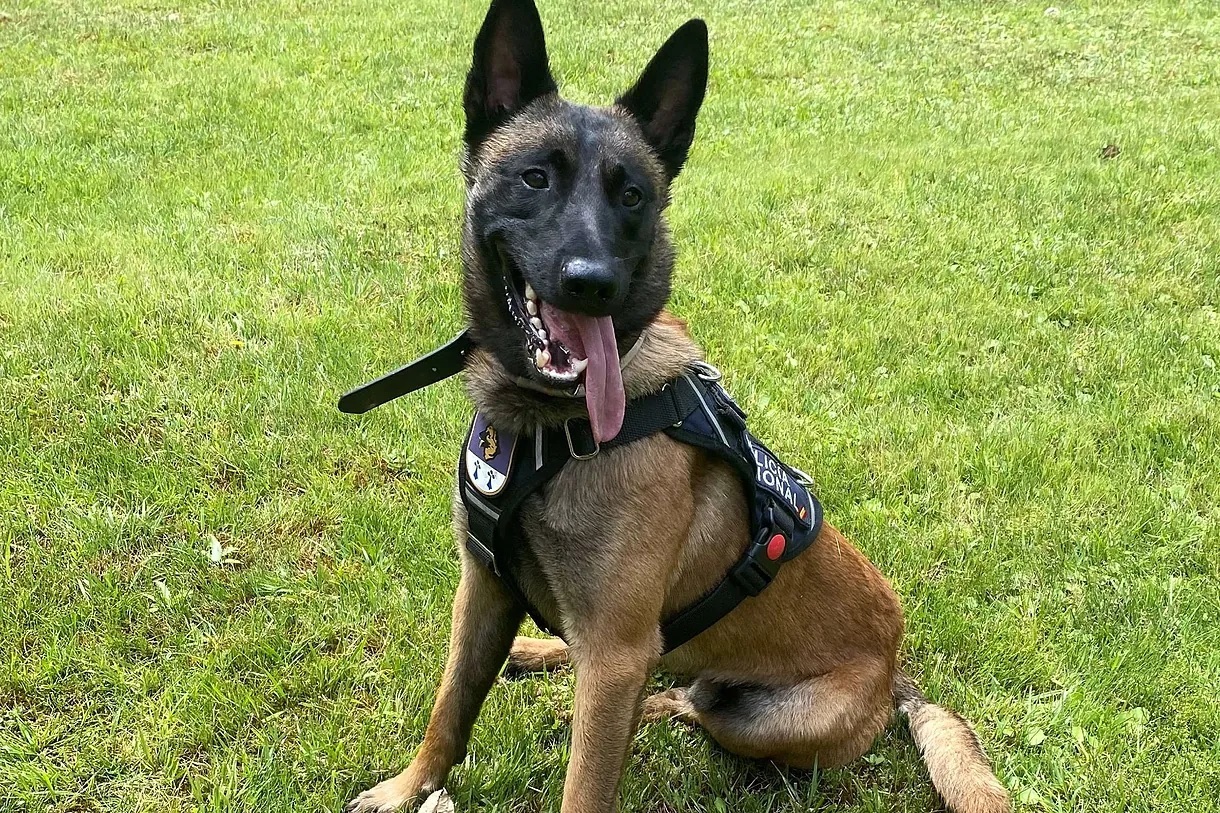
column 673, row 704
column 536, row 655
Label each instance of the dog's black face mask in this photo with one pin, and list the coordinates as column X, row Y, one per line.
column 566, row 253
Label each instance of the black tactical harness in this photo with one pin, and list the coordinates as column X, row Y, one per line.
column 497, row 471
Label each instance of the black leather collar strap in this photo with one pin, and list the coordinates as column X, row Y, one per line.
column 436, row 366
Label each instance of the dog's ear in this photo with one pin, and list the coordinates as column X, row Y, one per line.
column 667, row 96
column 510, row 68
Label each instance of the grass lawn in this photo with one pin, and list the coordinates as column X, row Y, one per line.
column 996, row 350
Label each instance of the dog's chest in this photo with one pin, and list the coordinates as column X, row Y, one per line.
column 589, row 523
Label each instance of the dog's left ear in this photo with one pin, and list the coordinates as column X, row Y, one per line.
column 510, row 68
column 666, row 98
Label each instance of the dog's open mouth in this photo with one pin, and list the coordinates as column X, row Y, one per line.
column 566, row 348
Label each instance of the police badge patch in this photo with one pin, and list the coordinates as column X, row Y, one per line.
column 489, row 456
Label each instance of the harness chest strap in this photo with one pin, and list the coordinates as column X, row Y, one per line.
column 499, row 470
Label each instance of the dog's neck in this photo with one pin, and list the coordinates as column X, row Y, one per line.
column 664, row 352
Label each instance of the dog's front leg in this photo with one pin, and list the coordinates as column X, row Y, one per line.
column 485, row 619
column 610, row 680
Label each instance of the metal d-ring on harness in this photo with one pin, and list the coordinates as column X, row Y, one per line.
column 497, row 473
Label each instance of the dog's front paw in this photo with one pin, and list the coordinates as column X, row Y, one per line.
column 381, row 798
column 394, row 795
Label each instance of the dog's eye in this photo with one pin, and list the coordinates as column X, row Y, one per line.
column 632, row 197
column 535, row 179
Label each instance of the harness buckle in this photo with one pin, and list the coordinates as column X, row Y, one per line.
column 706, row 371
column 756, row 570
column 567, row 433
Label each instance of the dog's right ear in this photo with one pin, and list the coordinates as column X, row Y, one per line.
column 666, row 98
column 509, row 71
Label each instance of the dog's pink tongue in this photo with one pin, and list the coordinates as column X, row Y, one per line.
column 603, row 378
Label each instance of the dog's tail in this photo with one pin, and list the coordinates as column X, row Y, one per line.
column 952, row 751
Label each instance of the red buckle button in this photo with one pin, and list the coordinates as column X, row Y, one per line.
column 776, row 546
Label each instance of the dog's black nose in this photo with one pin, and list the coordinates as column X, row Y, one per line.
column 589, row 284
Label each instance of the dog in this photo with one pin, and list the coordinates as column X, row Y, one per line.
column 567, row 263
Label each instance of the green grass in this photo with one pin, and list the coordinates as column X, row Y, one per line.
column 997, row 352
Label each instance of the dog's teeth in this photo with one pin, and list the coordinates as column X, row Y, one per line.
column 536, row 323
column 541, row 334
column 541, row 358
column 579, row 365
column 529, row 292
column 532, row 307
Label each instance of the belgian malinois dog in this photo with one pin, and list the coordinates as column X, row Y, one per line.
column 567, row 264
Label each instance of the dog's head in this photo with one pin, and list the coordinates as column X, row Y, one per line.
column 567, row 258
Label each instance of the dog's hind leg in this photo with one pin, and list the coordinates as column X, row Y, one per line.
column 485, row 619
column 826, row 720
column 536, row 655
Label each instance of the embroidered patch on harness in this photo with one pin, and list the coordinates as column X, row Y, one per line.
column 775, row 477
column 489, row 456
